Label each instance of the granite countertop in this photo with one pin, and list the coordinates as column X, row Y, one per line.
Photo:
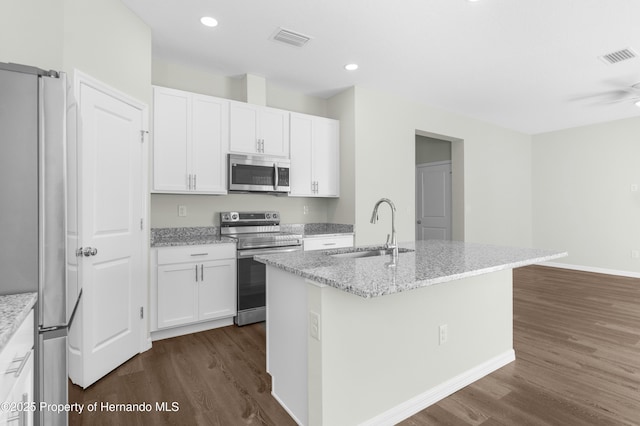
column 189, row 236
column 172, row 237
column 431, row 262
column 317, row 229
column 14, row 308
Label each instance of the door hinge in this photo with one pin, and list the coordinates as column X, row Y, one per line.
column 141, row 312
column 142, row 224
column 142, row 134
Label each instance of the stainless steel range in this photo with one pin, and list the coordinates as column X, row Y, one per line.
column 256, row 233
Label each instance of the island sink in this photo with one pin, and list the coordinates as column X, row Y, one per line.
column 368, row 253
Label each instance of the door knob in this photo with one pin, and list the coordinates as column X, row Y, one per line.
column 419, row 222
column 88, row 251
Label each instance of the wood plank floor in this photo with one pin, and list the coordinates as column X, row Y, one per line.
column 577, row 342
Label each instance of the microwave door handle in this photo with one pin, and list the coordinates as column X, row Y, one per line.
column 275, row 185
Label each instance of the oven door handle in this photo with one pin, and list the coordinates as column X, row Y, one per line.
column 243, row 254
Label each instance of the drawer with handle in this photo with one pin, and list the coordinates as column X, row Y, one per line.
column 16, row 356
column 200, row 253
column 326, row 243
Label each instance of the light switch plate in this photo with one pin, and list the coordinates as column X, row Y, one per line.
column 182, row 210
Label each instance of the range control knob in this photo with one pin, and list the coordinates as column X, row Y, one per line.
column 234, row 216
column 268, row 216
column 275, row 215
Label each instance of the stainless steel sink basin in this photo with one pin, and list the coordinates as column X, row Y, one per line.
column 368, row 253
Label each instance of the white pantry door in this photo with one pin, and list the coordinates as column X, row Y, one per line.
column 433, row 201
column 111, row 204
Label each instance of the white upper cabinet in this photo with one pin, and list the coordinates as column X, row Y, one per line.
column 315, row 156
column 256, row 129
column 190, row 134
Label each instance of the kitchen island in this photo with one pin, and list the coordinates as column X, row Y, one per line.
column 366, row 340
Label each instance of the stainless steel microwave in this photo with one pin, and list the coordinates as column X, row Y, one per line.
column 249, row 173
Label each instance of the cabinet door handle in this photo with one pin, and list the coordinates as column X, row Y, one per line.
column 202, row 272
column 195, row 182
column 196, row 273
column 329, row 244
column 199, row 254
column 23, row 362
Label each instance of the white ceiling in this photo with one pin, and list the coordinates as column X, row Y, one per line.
column 528, row 65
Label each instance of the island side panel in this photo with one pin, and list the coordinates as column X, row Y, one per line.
column 379, row 360
column 287, row 341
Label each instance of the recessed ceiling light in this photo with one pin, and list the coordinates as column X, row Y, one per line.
column 209, row 21
column 351, row 67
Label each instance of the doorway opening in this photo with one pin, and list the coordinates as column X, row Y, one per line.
column 439, row 200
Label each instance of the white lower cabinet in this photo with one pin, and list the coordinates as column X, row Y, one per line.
column 16, row 386
column 195, row 284
column 327, row 242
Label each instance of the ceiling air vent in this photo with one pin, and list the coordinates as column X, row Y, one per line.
column 619, row 56
column 290, row 37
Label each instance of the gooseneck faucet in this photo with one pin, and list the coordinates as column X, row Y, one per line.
column 374, row 218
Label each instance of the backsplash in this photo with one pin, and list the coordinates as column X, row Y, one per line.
column 204, row 210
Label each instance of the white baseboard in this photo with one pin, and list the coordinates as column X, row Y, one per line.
column 591, row 269
column 409, row 408
column 283, row 405
column 191, row 328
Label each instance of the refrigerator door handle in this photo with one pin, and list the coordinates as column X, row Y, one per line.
column 53, row 201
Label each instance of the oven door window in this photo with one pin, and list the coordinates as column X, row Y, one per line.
column 251, row 284
column 242, row 174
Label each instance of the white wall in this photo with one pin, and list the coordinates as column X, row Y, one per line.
column 429, row 150
column 31, row 32
column 342, row 107
column 582, row 201
column 497, row 170
column 102, row 38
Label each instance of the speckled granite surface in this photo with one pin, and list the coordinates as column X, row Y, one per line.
column 316, row 229
column 169, row 237
column 13, row 310
column 432, row 262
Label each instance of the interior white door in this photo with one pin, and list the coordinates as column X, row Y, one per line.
column 433, row 201
column 111, row 204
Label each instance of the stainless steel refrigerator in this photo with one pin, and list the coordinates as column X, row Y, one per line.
column 33, row 217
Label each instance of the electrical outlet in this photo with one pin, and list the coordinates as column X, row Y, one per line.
column 314, row 325
column 443, row 332
column 635, row 254
column 182, row 211
column 305, row 209
column 634, row 187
